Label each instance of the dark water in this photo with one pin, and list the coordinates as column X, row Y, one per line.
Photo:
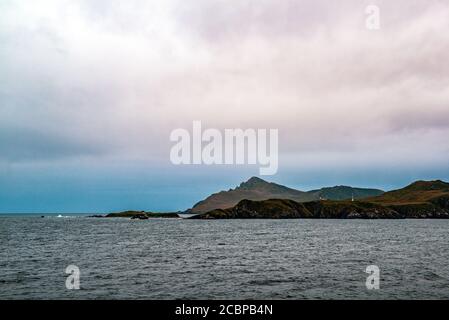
column 234, row 259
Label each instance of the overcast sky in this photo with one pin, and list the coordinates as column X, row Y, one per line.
column 90, row 91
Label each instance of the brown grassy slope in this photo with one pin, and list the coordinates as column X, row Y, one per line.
column 419, row 192
column 257, row 189
column 253, row 189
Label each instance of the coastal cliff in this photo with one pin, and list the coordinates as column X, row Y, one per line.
column 289, row 209
column 422, row 199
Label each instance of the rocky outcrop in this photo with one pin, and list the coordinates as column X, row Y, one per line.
column 421, row 210
column 268, row 209
column 441, row 201
column 142, row 215
column 289, row 209
column 350, row 210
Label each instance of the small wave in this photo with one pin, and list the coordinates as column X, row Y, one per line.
column 269, row 282
column 430, row 275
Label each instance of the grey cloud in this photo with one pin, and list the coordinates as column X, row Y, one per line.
column 216, row 21
column 35, row 145
column 119, row 76
column 421, row 119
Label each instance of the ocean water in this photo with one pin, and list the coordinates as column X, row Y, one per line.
column 225, row 259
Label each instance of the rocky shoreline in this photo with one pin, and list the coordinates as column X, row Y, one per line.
column 140, row 215
column 419, row 200
column 289, row 209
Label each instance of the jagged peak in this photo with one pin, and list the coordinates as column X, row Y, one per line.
column 252, row 182
column 255, row 179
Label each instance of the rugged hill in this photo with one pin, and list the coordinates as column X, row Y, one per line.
column 417, row 192
column 258, row 189
column 422, row 199
column 344, row 193
column 253, row 189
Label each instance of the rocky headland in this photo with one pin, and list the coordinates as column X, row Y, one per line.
column 422, row 199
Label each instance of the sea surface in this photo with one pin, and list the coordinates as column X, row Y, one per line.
column 121, row 258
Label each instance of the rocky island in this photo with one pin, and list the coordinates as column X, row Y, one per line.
column 142, row 215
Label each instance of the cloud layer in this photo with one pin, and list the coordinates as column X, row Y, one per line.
column 104, row 82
